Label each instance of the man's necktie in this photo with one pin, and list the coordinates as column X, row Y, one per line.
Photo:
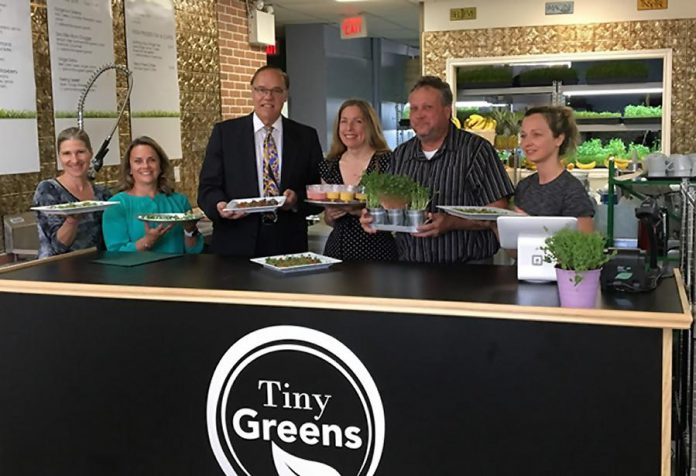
column 270, row 165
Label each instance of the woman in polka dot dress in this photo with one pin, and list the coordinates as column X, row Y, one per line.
column 358, row 147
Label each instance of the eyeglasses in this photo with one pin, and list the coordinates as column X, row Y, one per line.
column 260, row 90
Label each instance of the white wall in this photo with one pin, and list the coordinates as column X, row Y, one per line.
column 510, row 13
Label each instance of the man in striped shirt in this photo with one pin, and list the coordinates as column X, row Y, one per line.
column 460, row 169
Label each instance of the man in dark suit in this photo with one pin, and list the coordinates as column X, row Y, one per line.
column 260, row 154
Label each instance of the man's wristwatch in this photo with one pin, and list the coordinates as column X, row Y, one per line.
column 191, row 234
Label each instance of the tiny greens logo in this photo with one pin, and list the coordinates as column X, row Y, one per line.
column 292, row 401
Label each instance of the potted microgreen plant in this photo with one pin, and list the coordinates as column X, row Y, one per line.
column 579, row 258
column 420, row 197
column 372, row 183
column 393, row 192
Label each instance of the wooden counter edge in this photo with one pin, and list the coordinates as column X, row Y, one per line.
column 358, row 303
column 35, row 262
column 666, row 426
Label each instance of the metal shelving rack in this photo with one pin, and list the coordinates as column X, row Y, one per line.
column 685, row 399
column 684, row 376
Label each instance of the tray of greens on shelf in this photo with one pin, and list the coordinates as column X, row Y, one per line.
column 616, row 72
column 591, row 154
column 484, row 77
column 615, row 148
column 642, row 114
column 592, row 117
column 640, row 151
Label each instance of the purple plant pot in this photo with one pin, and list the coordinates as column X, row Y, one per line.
column 584, row 294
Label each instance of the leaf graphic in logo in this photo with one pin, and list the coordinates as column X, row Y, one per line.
column 289, row 465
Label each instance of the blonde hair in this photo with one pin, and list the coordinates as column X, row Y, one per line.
column 561, row 120
column 163, row 182
column 373, row 130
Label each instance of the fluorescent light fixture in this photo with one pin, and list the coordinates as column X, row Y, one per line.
column 609, row 92
column 478, row 104
column 567, row 64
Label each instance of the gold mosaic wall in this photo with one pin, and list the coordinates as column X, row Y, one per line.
column 679, row 35
column 199, row 90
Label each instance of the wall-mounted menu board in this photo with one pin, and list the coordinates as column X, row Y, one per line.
column 18, row 133
column 151, row 43
column 81, row 41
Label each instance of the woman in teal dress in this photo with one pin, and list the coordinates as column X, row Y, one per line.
column 145, row 171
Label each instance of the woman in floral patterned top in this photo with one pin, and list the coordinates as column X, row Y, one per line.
column 61, row 234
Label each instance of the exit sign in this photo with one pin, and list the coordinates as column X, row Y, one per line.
column 353, row 27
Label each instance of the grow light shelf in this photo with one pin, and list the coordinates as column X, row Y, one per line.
column 611, row 89
column 461, row 93
column 656, row 126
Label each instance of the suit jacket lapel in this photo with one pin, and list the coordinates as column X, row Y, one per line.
column 289, row 155
column 248, row 170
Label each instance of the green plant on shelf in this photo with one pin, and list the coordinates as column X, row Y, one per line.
column 617, row 70
column 485, row 75
column 642, row 111
column 616, row 148
column 544, row 76
column 639, row 149
column 596, row 115
column 591, row 151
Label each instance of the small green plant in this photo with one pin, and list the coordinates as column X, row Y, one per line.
column 397, row 187
column 420, row 197
column 575, row 250
column 372, row 182
column 385, row 186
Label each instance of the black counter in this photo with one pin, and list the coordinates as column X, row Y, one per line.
column 175, row 367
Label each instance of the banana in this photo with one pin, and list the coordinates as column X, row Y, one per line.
column 621, row 163
column 455, row 121
column 480, row 123
column 587, row 166
column 475, row 121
